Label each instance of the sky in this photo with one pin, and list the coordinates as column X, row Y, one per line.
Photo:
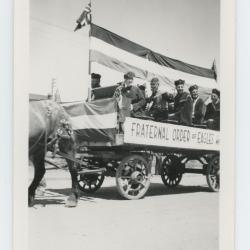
column 187, row 30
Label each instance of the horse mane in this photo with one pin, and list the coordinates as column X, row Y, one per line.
column 54, row 115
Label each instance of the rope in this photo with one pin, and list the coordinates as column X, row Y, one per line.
column 45, row 142
column 46, row 131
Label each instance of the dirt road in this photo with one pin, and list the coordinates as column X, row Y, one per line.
column 183, row 218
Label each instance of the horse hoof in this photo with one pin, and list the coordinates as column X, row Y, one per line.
column 71, row 201
column 40, row 191
column 31, row 201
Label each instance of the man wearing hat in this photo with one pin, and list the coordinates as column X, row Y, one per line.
column 129, row 97
column 158, row 102
column 198, row 111
column 95, row 80
column 95, row 83
column 212, row 116
column 183, row 104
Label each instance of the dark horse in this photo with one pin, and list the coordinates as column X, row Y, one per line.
column 48, row 120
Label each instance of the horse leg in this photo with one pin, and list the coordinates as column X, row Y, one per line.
column 41, row 187
column 39, row 171
column 73, row 197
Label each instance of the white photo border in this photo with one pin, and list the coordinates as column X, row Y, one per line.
column 20, row 128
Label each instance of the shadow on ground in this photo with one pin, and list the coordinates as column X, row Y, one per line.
column 56, row 197
column 111, row 193
column 48, row 201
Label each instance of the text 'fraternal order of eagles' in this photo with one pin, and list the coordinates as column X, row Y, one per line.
column 145, row 132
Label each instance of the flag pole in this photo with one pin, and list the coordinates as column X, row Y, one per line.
column 53, row 85
column 85, row 20
column 89, row 64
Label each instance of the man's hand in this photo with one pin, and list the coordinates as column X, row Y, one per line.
column 171, row 105
column 171, row 115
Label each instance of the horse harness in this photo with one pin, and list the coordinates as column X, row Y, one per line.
column 64, row 131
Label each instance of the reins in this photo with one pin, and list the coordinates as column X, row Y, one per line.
column 47, row 123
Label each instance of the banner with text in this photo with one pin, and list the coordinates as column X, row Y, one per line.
column 137, row 131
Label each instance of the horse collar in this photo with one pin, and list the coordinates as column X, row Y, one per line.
column 49, row 110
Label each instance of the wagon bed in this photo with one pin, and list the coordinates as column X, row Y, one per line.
column 145, row 147
column 141, row 134
column 133, row 156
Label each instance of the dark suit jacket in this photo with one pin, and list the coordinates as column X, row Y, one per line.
column 213, row 112
column 130, row 95
column 159, row 105
column 199, row 111
column 183, row 106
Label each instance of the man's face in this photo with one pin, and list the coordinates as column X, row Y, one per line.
column 154, row 86
column 129, row 81
column 180, row 88
column 214, row 98
column 194, row 94
column 95, row 83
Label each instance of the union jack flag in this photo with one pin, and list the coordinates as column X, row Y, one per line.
column 85, row 18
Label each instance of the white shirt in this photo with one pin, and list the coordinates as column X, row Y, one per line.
column 194, row 103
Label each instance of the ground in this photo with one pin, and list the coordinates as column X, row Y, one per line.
column 183, row 218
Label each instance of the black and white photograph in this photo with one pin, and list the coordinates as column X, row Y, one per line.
column 124, row 125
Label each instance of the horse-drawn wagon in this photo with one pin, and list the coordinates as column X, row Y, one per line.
column 144, row 148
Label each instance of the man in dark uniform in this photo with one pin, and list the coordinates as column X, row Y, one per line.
column 142, row 87
column 130, row 98
column 95, row 83
column 182, row 104
column 95, row 80
column 198, row 111
column 212, row 116
column 158, row 102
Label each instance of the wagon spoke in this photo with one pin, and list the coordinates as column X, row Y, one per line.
column 127, row 189
column 142, row 184
column 213, row 173
column 171, row 171
column 90, row 183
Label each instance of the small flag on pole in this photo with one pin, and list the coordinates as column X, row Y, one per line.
column 214, row 68
column 85, row 18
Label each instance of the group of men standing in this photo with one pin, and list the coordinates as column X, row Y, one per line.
column 183, row 108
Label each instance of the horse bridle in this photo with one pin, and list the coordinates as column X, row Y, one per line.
column 63, row 132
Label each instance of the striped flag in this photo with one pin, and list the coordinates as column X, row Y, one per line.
column 95, row 121
column 85, row 18
column 121, row 54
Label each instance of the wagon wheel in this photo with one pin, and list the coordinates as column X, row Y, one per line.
column 213, row 174
column 133, row 177
column 171, row 173
column 89, row 183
